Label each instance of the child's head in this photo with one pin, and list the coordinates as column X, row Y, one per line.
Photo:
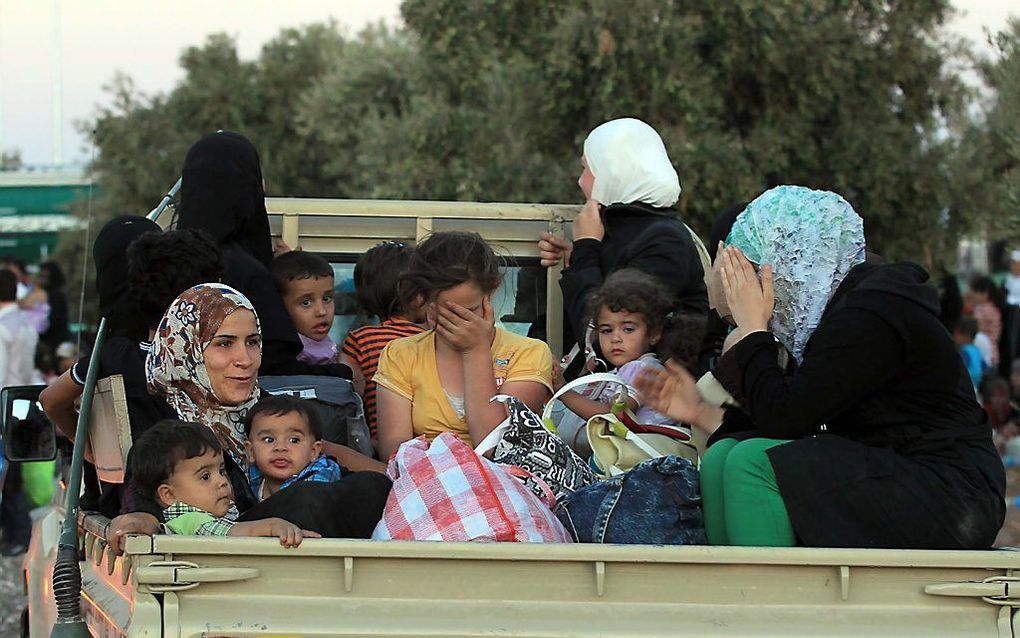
column 305, row 282
column 284, row 436
column 965, row 331
column 996, row 393
column 180, row 462
column 629, row 313
column 163, row 265
column 375, row 279
column 451, row 266
column 983, row 289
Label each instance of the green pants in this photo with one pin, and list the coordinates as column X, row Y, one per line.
column 741, row 497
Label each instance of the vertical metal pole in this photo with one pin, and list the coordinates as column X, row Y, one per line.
column 554, row 300
column 290, row 231
column 67, row 572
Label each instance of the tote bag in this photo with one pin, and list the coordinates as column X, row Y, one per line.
column 523, row 441
column 619, row 442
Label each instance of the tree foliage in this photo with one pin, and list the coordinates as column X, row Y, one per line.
column 490, row 100
column 1002, row 133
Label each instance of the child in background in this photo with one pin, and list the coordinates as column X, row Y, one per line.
column 963, row 335
column 375, row 279
column 630, row 314
column 180, row 466
column 285, row 446
column 305, row 281
column 1003, row 414
column 989, row 319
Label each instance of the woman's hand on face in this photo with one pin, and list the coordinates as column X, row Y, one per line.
column 463, row 329
column 551, row 249
column 750, row 301
column 672, row 391
column 588, row 223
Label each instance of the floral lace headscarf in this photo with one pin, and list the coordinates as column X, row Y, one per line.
column 175, row 367
column 811, row 239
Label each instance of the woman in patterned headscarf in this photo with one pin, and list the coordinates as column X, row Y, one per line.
column 872, row 436
column 205, row 360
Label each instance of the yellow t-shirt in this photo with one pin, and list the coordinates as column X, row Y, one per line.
column 408, row 367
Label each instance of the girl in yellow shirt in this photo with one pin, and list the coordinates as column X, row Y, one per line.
column 442, row 380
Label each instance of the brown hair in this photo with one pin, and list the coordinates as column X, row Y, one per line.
column 297, row 264
column 376, row 276
column 632, row 290
column 155, row 455
column 280, row 404
column 447, row 259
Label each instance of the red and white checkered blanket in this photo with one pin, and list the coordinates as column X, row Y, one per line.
column 445, row 491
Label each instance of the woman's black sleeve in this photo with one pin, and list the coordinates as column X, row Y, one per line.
column 735, row 421
column 852, row 354
column 284, row 367
column 579, row 280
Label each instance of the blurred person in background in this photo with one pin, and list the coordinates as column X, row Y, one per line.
column 17, row 266
column 1003, row 413
column 48, row 303
column 964, row 334
column 1010, row 344
column 985, row 297
column 17, row 352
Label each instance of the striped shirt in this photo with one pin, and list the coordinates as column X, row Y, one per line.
column 364, row 345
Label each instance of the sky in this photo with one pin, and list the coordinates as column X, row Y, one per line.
column 144, row 38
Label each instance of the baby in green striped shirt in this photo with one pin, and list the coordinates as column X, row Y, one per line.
column 180, row 466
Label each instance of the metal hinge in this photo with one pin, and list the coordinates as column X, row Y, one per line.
column 178, row 575
column 997, row 590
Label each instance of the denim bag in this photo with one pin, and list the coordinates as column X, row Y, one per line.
column 656, row 503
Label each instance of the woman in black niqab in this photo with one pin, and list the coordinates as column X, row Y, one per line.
column 222, row 193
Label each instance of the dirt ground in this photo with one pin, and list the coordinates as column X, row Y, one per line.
column 12, row 601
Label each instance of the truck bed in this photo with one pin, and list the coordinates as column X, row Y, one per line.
column 254, row 587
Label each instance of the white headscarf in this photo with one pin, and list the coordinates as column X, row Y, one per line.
column 630, row 164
